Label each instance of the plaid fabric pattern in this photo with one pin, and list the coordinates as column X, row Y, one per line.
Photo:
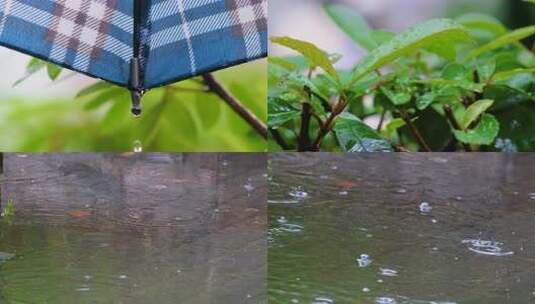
column 179, row 38
column 187, row 38
column 90, row 36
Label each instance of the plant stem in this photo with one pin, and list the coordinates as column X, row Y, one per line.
column 304, row 135
column 381, row 122
column 414, row 131
column 214, row 86
column 279, row 139
column 326, row 127
column 455, row 124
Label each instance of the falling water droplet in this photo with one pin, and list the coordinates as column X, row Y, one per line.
column 138, row 147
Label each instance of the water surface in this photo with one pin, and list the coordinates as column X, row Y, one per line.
column 425, row 228
column 152, row 228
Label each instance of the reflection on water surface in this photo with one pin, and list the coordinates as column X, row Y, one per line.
column 377, row 228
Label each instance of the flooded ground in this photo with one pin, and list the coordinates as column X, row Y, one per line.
column 391, row 229
column 146, row 228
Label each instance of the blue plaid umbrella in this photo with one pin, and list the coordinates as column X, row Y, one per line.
column 138, row 44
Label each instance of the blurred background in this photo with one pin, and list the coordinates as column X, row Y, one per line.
column 305, row 19
column 40, row 115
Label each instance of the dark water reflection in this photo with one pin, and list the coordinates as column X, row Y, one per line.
column 200, row 239
column 352, row 229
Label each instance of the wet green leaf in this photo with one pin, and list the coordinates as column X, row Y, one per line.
column 98, row 86
column 316, row 56
column 483, row 134
column 355, row 136
column 474, row 111
column 420, row 36
column 280, row 113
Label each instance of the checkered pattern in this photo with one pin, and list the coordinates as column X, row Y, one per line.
column 179, row 38
column 187, row 38
column 90, row 36
column 81, row 25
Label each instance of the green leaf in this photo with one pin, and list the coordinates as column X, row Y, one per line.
column 508, row 74
column 474, row 111
column 398, row 98
column 280, row 113
column 99, row 86
column 485, row 70
column 355, row 136
column 288, row 65
column 476, row 23
column 506, row 39
column 382, row 36
column 53, row 71
column 455, row 71
column 316, row 56
column 484, row 134
column 466, row 85
column 423, row 35
column 33, row 67
column 352, row 23
column 425, row 100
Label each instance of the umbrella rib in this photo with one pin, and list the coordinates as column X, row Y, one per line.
column 235, row 104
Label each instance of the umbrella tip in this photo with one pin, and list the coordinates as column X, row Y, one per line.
column 136, row 103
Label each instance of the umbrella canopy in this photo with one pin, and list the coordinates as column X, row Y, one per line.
column 139, row 44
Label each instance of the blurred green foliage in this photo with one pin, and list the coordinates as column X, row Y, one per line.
column 182, row 117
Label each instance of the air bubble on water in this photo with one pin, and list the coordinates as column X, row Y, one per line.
column 364, row 260
column 83, row 289
column 282, row 220
column 487, row 247
column 532, row 196
column 401, row 191
column 122, row 277
column 334, row 167
column 324, row 177
column 385, row 300
column 88, row 277
column 380, row 281
column 322, row 300
column 138, row 147
column 298, row 193
column 224, row 163
column 434, row 221
column 425, row 207
column 294, row 300
column 343, row 193
column 365, row 289
column 369, row 235
column 459, row 198
column 387, row 272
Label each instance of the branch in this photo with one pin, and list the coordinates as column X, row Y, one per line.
column 214, row 86
column 325, row 128
column 414, row 131
column 279, row 139
column 304, row 135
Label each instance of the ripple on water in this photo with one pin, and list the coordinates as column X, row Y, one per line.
column 425, row 208
column 387, row 272
column 322, row 300
column 487, row 247
column 292, row 228
column 298, row 193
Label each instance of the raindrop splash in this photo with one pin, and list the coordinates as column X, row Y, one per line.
column 364, row 260
column 487, row 247
column 138, row 147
